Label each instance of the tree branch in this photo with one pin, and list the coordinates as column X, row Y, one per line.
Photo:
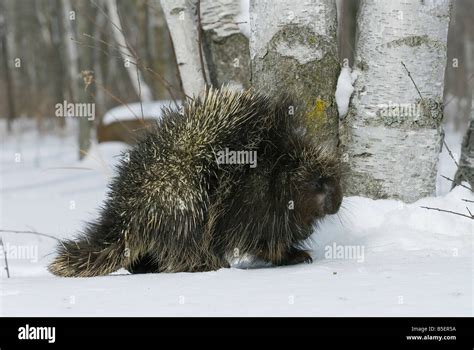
column 32, row 233
column 6, row 259
column 447, row 178
column 451, row 212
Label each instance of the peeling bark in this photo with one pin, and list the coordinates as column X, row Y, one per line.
column 391, row 137
column 293, row 48
column 226, row 48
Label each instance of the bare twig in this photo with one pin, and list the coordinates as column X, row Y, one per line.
column 468, row 200
column 116, row 98
column 457, row 164
column 137, row 59
column 450, row 153
column 470, row 216
column 112, row 46
column 140, row 91
column 168, row 86
column 409, row 75
column 32, row 233
column 128, row 47
column 6, row 258
column 68, row 168
column 447, row 178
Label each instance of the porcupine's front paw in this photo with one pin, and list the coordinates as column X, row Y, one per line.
column 296, row 256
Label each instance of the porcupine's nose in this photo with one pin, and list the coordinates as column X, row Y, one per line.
column 333, row 195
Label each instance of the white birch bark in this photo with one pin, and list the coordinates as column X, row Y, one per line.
column 293, row 48
column 139, row 84
column 391, row 140
column 226, row 48
column 183, row 26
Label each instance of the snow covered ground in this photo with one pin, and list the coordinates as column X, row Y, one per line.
column 376, row 258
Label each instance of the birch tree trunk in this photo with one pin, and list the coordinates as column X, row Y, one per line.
column 181, row 17
column 293, row 48
column 391, row 139
column 136, row 78
column 226, row 48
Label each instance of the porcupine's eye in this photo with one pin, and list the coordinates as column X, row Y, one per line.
column 316, row 183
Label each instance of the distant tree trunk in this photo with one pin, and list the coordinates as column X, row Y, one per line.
column 136, row 78
column 181, row 17
column 347, row 11
column 226, row 48
column 391, row 139
column 100, row 99
column 76, row 86
column 159, row 52
column 466, row 163
column 293, row 48
column 86, row 92
column 57, row 56
column 69, row 20
column 6, row 67
column 71, row 49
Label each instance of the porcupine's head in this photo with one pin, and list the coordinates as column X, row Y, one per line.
column 315, row 173
column 317, row 180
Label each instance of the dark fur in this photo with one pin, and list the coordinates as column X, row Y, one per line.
column 173, row 208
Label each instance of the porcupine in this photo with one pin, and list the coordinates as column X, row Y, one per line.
column 172, row 207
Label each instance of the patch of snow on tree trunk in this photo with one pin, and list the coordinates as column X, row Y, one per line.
column 344, row 91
